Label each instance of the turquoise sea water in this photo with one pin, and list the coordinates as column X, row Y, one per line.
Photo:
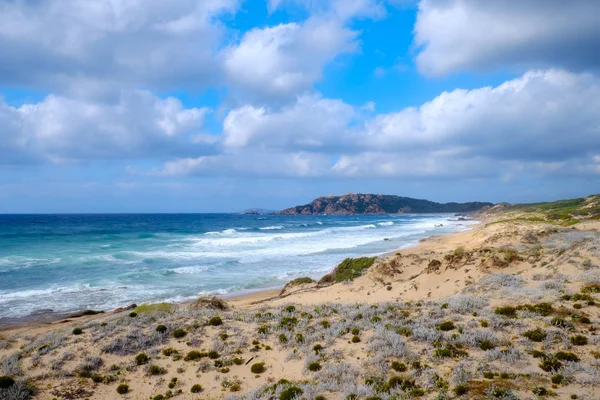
column 74, row 262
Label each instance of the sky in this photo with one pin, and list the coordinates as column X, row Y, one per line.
column 222, row 105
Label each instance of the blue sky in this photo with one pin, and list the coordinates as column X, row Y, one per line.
column 221, row 105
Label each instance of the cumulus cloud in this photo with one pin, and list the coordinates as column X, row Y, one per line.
column 288, row 58
column 458, row 35
column 138, row 126
column 58, row 44
column 544, row 122
column 344, row 9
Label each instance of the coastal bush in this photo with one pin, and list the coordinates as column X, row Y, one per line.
column 486, row 345
column 77, row 331
column 446, row 326
column 557, row 379
column 215, row 321
column 194, row 355
column 550, row 364
column 507, row 311
column 566, row 356
column 161, row 329
column 290, row 309
column 349, row 269
column 540, row 391
column 459, row 390
column 151, row 308
column 132, row 314
column 355, row 331
column 123, row 388
column 196, row 388
column 317, row 348
column 314, row 366
column 355, row 339
column 579, row 340
column 258, row 368
column 179, row 333
column 535, row 335
column 6, row 382
column 213, row 354
column 290, row 393
column 156, row 370
column 398, row 366
column 283, row 338
column 141, row 359
column 168, row 352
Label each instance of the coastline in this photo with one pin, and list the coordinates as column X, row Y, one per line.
column 392, row 313
column 237, row 300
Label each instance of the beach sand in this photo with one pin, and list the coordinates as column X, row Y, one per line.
column 412, row 326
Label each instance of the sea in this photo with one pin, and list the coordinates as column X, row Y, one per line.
column 64, row 263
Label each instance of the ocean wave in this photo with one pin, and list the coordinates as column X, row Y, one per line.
column 272, row 228
column 223, row 232
column 386, row 223
column 192, row 270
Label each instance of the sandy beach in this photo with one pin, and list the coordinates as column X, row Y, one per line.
column 505, row 309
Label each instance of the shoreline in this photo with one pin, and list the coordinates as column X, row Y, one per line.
column 239, row 299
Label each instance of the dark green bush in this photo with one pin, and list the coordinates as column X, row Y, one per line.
column 540, row 391
column 123, row 388
column 314, row 366
column 566, row 356
column 283, row 338
column 213, row 354
column 194, row 355
column 507, row 311
column 290, row 309
column 77, row 331
column 355, row 339
column 161, row 329
column 156, row 370
column 132, row 314
column 290, row 393
column 484, row 324
column 550, row 364
column 446, row 326
column 6, row 382
column 168, row 352
column 215, row 321
column 349, row 269
column 486, row 345
column 557, row 379
column 355, row 331
column 561, row 322
column 579, row 340
column 398, row 366
column 179, row 333
column 258, row 368
column 459, row 390
column 196, row 388
column 141, row 359
column 317, row 348
column 535, row 335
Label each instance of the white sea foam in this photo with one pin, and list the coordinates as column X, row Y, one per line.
column 386, row 223
column 272, row 228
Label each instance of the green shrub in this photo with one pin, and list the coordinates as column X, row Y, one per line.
column 540, row 391
column 325, row 324
column 161, row 329
column 561, row 322
column 317, row 348
column 350, row 269
column 213, row 354
column 123, row 388
column 446, row 326
column 577, row 306
column 443, row 353
column 314, row 366
column 159, row 397
column 156, row 370
column 238, row 361
column 355, row 331
column 133, row 314
column 488, row 375
column 290, row 393
column 215, row 321
column 566, row 356
column 550, row 364
column 486, row 345
column 538, row 354
column 258, row 368
column 579, row 340
column 557, row 379
column 444, row 306
column 194, row 355
column 535, row 335
column 6, row 382
column 179, row 333
column 299, row 338
column 484, row 324
column 283, row 338
column 168, row 352
column 141, row 359
column 158, row 307
column 291, row 309
column 585, row 320
column 507, row 311
column 459, row 390
column 77, row 331
column 355, row 339
column 264, row 329
column 196, row 388
column 398, row 366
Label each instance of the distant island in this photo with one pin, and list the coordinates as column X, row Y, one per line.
column 255, row 211
column 358, row 203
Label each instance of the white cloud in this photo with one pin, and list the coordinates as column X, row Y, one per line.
column 282, row 60
column 139, row 125
column 475, row 35
column 344, row 9
column 58, row 44
column 310, row 123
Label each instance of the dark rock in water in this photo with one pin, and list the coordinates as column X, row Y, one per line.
column 386, row 239
column 83, row 313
